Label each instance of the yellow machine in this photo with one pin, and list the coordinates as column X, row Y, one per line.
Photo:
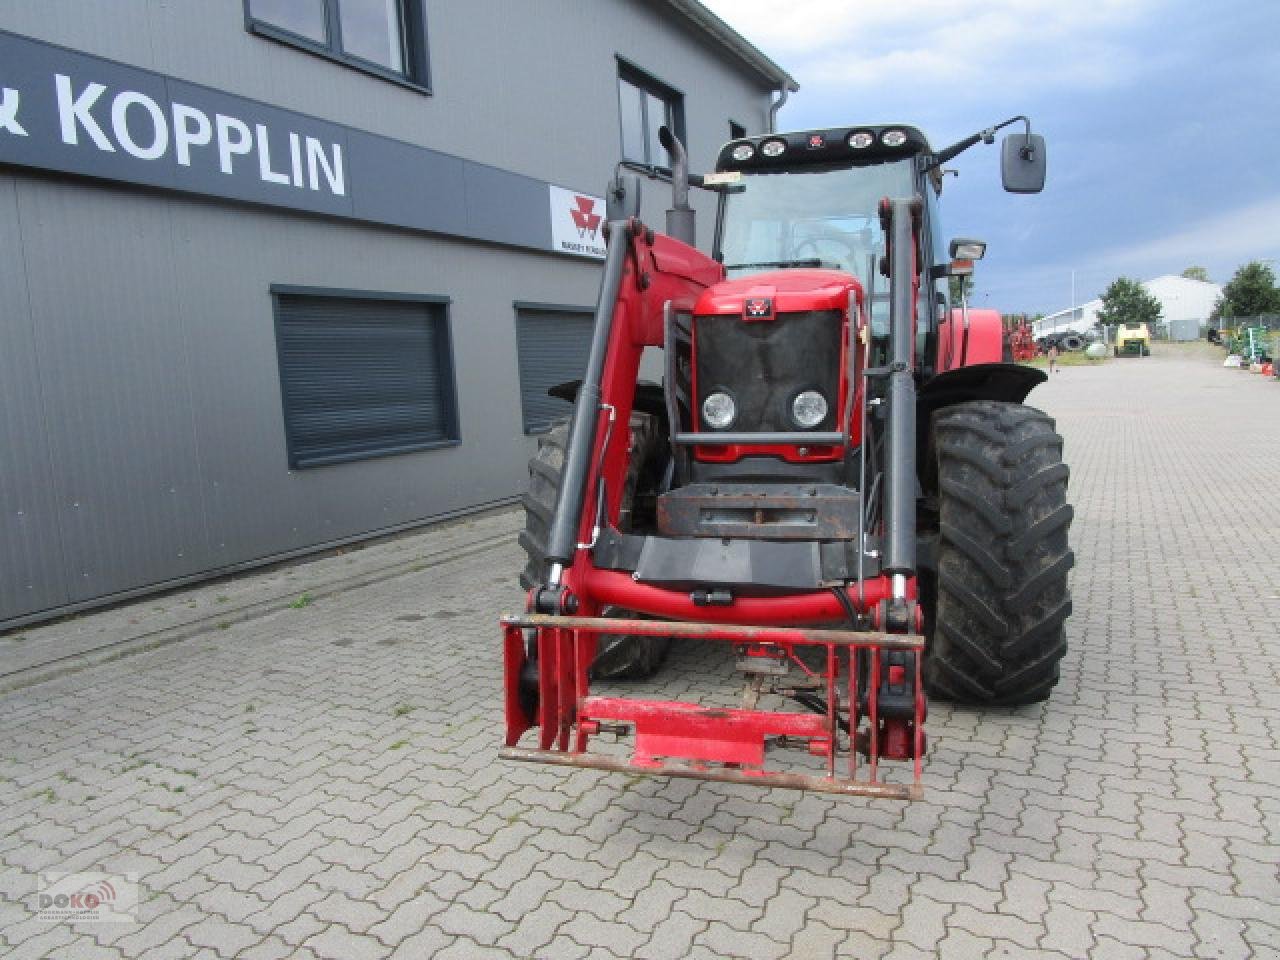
column 1132, row 340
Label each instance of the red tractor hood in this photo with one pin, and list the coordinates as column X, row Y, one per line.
column 790, row 291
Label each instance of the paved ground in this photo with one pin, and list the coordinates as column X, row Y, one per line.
column 320, row 780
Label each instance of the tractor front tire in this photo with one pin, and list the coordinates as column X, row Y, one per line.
column 1000, row 599
column 618, row 656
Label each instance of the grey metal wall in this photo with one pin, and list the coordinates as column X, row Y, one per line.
column 141, row 436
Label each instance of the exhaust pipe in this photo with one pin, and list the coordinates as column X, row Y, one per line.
column 680, row 218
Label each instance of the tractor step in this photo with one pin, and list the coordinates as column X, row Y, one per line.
column 847, row 726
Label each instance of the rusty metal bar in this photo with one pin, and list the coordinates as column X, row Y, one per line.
column 855, row 718
column 719, row 631
column 873, row 715
column 787, row 781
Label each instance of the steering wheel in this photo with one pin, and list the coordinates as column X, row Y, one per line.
column 819, row 247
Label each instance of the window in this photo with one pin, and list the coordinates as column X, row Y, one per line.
column 386, row 37
column 553, row 343
column 363, row 375
column 645, row 105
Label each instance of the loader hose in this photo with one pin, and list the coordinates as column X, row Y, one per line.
column 843, row 597
column 816, row 704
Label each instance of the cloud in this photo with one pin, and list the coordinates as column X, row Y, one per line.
column 1221, row 243
column 965, row 46
column 1228, row 239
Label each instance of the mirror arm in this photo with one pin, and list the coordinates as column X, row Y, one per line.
column 986, row 136
column 1028, row 152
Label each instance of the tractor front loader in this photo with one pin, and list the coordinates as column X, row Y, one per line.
column 837, row 478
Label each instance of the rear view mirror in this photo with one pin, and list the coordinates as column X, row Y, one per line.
column 1022, row 162
column 622, row 199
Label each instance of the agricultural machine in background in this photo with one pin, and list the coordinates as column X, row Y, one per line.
column 1132, row 340
column 1068, row 341
column 1022, row 343
column 837, row 478
column 1253, row 343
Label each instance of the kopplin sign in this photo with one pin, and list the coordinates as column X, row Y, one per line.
column 70, row 112
column 67, row 111
column 146, row 130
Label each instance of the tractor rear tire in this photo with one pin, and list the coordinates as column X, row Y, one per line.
column 996, row 609
column 618, row 656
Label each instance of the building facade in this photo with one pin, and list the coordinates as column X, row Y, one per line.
column 277, row 275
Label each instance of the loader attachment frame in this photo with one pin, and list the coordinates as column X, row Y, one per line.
column 674, row 738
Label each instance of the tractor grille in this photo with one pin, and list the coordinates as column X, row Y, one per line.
column 764, row 364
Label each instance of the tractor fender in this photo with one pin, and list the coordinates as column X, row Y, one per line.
column 649, row 397
column 1008, row 382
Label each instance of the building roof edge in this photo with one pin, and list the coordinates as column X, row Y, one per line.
column 733, row 42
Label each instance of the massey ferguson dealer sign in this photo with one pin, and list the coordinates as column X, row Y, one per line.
column 69, row 112
column 577, row 223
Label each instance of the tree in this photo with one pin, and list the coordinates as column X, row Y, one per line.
column 1251, row 292
column 1127, row 301
column 1196, row 273
column 957, row 285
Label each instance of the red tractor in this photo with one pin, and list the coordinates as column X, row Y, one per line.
column 837, row 478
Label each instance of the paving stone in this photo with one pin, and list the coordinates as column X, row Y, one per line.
column 1136, row 814
column 535, row 929
column 221, row 935
column 672, row 937
column 339, row 943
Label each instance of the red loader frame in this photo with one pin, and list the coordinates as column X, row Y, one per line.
column 657, row 274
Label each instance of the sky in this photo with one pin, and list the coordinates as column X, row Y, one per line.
column 1161, row 120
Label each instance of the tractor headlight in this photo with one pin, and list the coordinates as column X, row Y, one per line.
column 861, row 139
column 719, row 410
column 773, row 148
column 893, row 138
column 808, row 409
column 743, row 151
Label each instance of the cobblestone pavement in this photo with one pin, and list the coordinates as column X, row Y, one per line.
column 321, row 781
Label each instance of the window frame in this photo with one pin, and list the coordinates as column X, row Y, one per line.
column 647, row 83
column 413, row 36
column 448, row 371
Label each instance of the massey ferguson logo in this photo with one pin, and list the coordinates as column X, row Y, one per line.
column 758, row 308
column 587, row 222
column 577, row 223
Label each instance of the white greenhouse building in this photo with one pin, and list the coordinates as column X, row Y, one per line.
column 1185, row 308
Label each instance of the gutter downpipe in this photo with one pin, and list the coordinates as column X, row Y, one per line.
column 775, row 106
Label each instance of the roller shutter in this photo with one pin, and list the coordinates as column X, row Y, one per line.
column 553, row 344
column 363, row 377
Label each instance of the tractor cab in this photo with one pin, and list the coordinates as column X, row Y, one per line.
column 811, row 200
